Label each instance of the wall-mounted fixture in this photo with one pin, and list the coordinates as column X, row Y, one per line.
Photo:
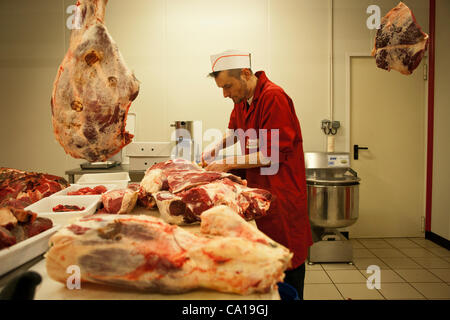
column 330, row 127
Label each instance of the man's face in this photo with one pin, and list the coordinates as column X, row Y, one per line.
column 233, row 88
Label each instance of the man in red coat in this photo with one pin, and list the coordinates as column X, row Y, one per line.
column 265, row 123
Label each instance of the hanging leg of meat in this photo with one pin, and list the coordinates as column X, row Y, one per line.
column 93, row 90
column 145, row 253
column 400, row 43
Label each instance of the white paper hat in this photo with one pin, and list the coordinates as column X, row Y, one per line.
column 230, row 59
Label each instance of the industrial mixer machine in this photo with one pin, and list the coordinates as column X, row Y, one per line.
column 333, row 203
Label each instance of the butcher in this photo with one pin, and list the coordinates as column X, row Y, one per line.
column 264, row 121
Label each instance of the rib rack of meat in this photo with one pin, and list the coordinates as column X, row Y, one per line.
column 187, row 206
column 175, row 176
column 145, row 253
column 19, row 188
column 400, row 43
column 93, row 90
column 183, row 190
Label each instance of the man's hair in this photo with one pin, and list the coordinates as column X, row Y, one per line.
column 235, row 73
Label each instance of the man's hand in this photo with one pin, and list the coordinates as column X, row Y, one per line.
column 248, row 161
column 219, row 165
column 208, row 157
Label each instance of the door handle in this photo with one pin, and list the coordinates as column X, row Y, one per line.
column 356, row 149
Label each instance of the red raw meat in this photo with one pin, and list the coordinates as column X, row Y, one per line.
column 184, row 180
column 177, row 175
column 7, row 219
column 119, row 201
column 146, row 199
column 38, row 226
column 24, row 216
column 134, row 186
column 100, row 189
column 145, row 253
column 17, row 225
column 67, row 208
column 7, row 239
column 183, row 190
column 77, row 229
column 400, row 43
column 93, row 90
column 88, row 191
column 187, row 206
column 20, row 188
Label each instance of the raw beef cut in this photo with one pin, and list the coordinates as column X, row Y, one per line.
column 7, row 239
column 145, row 253
column 88, row 191
column 400, row 43
column 119, row 201
column 188, row 179
column 187, row 206
column 93, row 90
column 156, row 176
column 17, row 225
column 67, row 208
column 19, row 188
column 175, row 176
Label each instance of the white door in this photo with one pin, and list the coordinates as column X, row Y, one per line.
column 387, row 115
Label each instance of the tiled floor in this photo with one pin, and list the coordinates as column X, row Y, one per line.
column 410, row 268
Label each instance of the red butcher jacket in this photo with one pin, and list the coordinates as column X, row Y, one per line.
column 271, row 108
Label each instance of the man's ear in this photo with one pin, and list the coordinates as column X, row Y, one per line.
column 246, row 73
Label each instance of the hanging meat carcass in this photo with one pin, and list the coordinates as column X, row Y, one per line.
column 145, row 253
column 93, row 90
column 400, row 43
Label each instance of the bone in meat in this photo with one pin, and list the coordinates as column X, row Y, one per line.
column 400, row 43
column 145, row 253
column 93, row 90
column 187, row 206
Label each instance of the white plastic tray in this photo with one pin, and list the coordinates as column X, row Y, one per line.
column 44, row 207
column 119, row 178
column 24, row 251
column 75, row 187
